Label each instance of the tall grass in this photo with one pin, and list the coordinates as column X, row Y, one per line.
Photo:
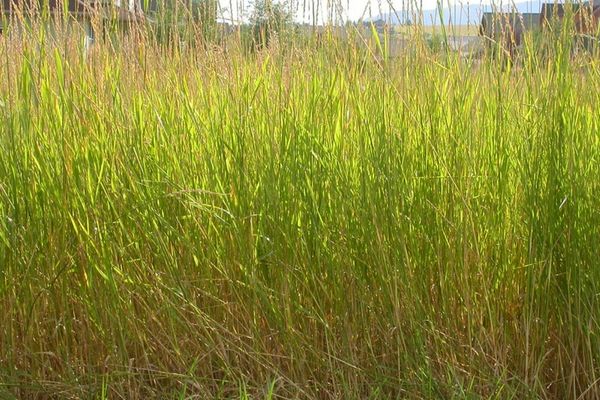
column 296, row 223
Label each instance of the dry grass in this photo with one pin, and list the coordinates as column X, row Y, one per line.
column 298, row 222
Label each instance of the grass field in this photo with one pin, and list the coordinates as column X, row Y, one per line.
column 311, row 223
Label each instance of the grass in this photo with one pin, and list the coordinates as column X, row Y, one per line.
column 296, row 223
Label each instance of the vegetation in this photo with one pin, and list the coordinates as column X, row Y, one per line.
column 187, row 21
column 320, row 223
column 268, row 20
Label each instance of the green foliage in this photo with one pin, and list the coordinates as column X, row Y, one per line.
column 435, row 41
column 269, row 19
column 311, row 224
column 189, row 21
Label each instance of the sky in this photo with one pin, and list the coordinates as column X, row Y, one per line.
column 352, row 9
column 305, row 9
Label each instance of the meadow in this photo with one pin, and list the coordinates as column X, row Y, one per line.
column 311, row 222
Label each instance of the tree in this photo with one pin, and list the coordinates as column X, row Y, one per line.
column 182, row 17
column 269, row 18
column 204, row 13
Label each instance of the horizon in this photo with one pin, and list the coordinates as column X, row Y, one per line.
column 366, row 10
column 357, row 10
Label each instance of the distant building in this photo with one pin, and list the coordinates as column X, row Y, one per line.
column 16, row 12
column 77, row 8
column 81, row 12
column 507, row 29
column 551, row 12
column 585, row 16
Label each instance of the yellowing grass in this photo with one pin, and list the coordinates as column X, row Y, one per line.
column 303, row 222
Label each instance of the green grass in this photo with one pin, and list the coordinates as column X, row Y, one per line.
column 297, row 223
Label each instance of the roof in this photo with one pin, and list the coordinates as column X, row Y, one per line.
column 34, row 6
column 527, row 19
column 585, row 14
column 498, row 21
column 123, row 9
column 552, row 10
